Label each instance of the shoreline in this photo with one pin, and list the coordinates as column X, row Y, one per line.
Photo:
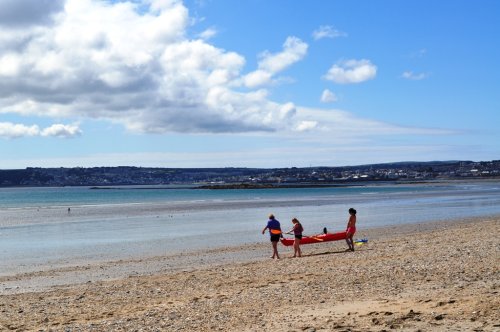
column 342, row 183
column 266, row 185
column 54, row 274
column 430, row 276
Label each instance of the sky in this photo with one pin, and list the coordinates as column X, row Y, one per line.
column 247, row 83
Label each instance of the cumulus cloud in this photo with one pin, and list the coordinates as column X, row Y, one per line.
column 60, row 130
column 131, row 62
column 409, row 75
column 328, row 97
column 13, row 130
column 294, row 50
column 351, row 71
column 326, row 31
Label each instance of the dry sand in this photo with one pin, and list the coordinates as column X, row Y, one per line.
column 431, row 277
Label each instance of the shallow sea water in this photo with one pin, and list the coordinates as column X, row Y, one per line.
column 36, row 228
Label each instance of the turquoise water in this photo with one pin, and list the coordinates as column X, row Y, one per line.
column 74, row 196
column 36, row 228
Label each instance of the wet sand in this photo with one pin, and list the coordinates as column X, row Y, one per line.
column 428, row 277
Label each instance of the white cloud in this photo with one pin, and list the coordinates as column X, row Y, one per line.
column 258, row 78
column 208, row 33
column 342, row 126
column 60, row 130
column 306, row 126
column 316, row 136
column 10, row 65
column 326, row 31
column 351, row 71
column 130, row 62
column 294, row 50
column 409, row 75
column 13, row 130
column 328, row 97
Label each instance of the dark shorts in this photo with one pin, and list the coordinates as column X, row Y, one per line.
column 298, row 236
column 275, row 237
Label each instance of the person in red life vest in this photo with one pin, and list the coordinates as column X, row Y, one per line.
column 297, row 232
column 351, row 229
column 275, row 231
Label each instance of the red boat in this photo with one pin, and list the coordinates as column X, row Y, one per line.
column 316, row 238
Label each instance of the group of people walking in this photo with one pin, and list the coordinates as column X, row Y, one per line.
column 274, row 228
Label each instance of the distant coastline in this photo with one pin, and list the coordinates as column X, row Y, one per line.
column 250, row 178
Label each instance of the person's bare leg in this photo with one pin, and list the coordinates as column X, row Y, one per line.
column 295, row 248
column 350, row 243
column 275, row 250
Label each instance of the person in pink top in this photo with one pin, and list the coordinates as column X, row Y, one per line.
column 351, row 229
column 297, row 232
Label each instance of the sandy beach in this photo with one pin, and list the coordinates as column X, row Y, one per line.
column 427, row 277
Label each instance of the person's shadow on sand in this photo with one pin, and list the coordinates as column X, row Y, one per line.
column 334, row 252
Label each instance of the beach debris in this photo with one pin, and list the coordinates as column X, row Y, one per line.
column 360, row 242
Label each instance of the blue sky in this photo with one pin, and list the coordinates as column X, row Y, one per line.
column 250, row 83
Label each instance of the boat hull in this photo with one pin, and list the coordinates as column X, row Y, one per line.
column 316, row 238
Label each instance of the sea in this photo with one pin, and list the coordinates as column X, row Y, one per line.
column 75, row 225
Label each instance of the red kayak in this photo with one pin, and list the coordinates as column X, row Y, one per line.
column 316, row 238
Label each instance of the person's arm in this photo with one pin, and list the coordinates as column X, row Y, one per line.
column 264, row 230
column 293, row 228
